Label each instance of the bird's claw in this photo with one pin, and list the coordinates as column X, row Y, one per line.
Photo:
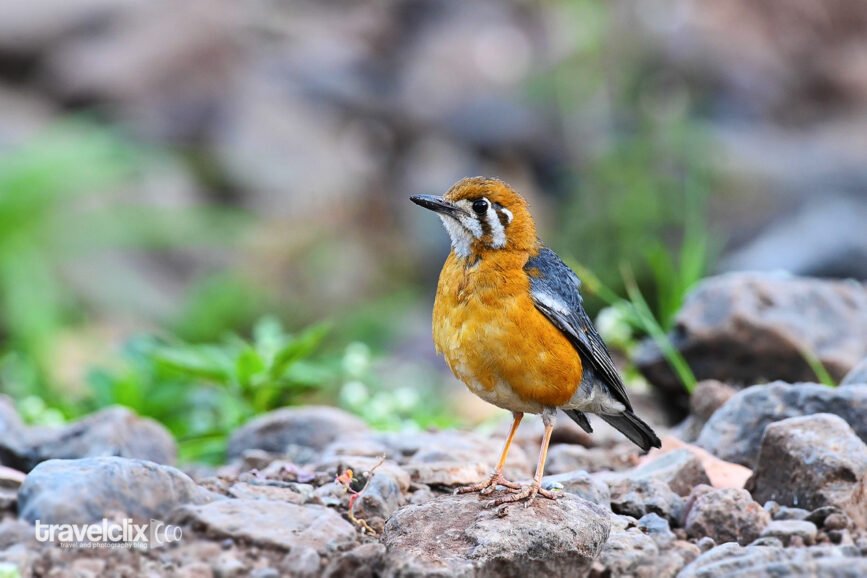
column 528, row 493
column 489, row 486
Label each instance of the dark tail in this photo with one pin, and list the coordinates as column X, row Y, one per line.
column 632, row 427
column 580, row 419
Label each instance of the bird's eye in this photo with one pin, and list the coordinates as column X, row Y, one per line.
column 480, row 206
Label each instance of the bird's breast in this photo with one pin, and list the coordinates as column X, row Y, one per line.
column 496, row 341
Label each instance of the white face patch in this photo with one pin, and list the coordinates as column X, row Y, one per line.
column 462, row 231
column 462, row 240
column 508, row 214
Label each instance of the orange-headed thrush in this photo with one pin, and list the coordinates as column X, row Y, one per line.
column 509, row 319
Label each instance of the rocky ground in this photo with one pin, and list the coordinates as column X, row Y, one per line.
column 769, row 479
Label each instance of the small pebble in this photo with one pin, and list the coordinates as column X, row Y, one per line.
column 705, row 544
column 836, row 521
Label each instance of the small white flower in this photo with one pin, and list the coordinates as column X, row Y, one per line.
column 613, row 327
column 356, row 359
column 354, row 393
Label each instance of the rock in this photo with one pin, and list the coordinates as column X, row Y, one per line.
column 785, row 530
column 857, row 376
column 707, row 397
column 722, row 474
column 658, row 529
column 745, row 327
column 726, row 515
column 114, row 431
column 90, row 489
column 813, row 461
column 581, row 484
column 630, row 552
column 681, row 469
column 272, row 524
column 381, row 498
column 310, row 427
column 360, row 562
column 459, row 536
column 303, row 561
column 266, row 491
column 10, row 481
column 638, row 498
column 734, row 433
column 787, row 513
column 735, row 561
column 568, row 458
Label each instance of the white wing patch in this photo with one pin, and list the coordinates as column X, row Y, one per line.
column 551, row 301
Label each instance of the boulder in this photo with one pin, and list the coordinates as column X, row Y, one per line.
column 747, row 327
column 813, row 461
column 459, row 536
column 735, row 561
column 87, row 490
column 734, row 432
column 294, row 430
column 114, row 431
column 725, row 515
column 272, row 524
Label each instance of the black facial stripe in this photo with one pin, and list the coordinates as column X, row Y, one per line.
column 486, row 226
column 504, row 219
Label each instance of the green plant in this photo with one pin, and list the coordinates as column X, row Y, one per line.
column 202, row 392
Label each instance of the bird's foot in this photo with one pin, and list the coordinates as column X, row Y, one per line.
column 528, row 493
column 488, row 486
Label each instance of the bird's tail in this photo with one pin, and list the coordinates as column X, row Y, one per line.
column 632, row 427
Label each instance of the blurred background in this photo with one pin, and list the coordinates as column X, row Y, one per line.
column 203, row 206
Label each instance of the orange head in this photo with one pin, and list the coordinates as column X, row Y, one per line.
column 483, row 214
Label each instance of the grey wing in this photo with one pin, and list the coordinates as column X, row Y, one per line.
column 555, row 291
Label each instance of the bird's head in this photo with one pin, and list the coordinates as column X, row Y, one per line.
column 483, row 214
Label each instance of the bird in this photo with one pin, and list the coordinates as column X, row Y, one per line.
column 509, row 319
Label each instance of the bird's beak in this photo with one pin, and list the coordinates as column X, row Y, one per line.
column 437, row 205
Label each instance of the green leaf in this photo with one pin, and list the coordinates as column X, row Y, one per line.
column 247, row 366
column 298, row 348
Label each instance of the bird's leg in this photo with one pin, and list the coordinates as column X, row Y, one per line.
column 489, row 485
column 529, row 493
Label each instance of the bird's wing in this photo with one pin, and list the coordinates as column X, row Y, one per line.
column 556, row 293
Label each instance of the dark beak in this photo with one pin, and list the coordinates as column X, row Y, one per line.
column 436, row 204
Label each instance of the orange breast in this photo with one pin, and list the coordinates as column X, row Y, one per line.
column 496, row 341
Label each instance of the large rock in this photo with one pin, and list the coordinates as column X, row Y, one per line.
column 727, row 515
column 459, row 536
column 88, row 490
column 734, row 561
column 734, row 432
column 681, row 469
column 114, row 431
column 811, row 462
column 273, row 524
column 310, row 428
column 744, row 328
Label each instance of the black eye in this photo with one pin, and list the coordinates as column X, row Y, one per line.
column 480, row 206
